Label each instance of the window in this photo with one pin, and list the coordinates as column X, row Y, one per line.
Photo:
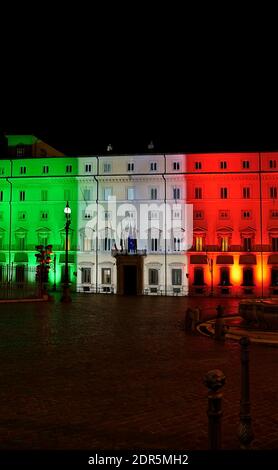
column 1, row 196
column 176, row 277
column 272, row 164
column 199, row 243
column 176, row 214
column 22, row 195
column 21, row 215
column 67, row 195
column 45, row 169
column 153, row 277
column 153, row 215
column 223, row 165
column 274, row 277
column 198, row 193
column 248, row 278
column 198, row 215
column 176, row 166
column 68, row 168
column 23, row 170
column 274, row 214
column 87, row 194
column 87, row 243
column 177, row 244
column 20, row 151
column 21, row 243
column 153, row 166
column 2, row 171
column 130, row 166
column 153, row 193
column 19, row 274
column 245, row 164
column 224, row 214
column 223, row 193
column 176, row 193
column 198, row 165
column 199, row 277
column 224, row 243
column 44, row 195
column 273, row 192
column 107, row 244
column 274, row 243
column 246, row 214
column 44, row 215
column 154, row 244
column 106, row 276
column 107, row 167
column 247, row 244
column 246, row 193
column 130, row 194
column 225, row 277
column 107, row 193
column 86, row 275
column 43, row 240
column 88, row 169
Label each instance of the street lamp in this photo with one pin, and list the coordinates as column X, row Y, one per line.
column 210, row 265
column 66, row 288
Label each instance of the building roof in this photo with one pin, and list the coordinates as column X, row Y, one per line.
column 14, row 140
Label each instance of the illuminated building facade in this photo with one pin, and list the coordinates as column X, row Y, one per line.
column 234, row 250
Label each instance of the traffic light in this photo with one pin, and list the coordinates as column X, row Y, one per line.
column 44, row 260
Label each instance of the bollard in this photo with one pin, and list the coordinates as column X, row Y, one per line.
column 214, row 380
column 245, row 432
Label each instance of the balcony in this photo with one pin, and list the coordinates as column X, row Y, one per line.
column 233, row 249
column 128, row 253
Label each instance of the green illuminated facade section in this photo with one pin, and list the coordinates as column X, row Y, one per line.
column 33, row 195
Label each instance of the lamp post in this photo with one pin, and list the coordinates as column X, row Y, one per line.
column 210, row 265
column 66, row 288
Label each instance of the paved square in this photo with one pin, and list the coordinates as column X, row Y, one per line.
column 108, row 372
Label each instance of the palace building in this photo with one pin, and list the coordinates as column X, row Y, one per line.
column 141, row 224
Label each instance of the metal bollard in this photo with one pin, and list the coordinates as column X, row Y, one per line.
column 245, row 432
column 214, row 380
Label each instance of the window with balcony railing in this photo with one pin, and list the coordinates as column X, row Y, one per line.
column 225, row 244
column 199, row 243
column 247, row 244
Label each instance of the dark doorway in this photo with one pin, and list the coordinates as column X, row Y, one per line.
column 130, row 280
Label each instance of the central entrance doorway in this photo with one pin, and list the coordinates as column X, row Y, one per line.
column 130, row 280
column 130, row 271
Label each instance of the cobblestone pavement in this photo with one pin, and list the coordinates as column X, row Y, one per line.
column 108, row 372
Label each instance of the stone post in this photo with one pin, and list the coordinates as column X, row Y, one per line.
column 214, row 381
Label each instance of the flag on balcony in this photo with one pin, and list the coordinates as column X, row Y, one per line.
column 131, row 244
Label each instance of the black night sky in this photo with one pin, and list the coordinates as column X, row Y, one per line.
column 88, row 126
column 185, row 99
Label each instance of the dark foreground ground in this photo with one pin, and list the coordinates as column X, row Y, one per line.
column 107, row 372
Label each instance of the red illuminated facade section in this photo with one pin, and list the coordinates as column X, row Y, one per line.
column 235, row 211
